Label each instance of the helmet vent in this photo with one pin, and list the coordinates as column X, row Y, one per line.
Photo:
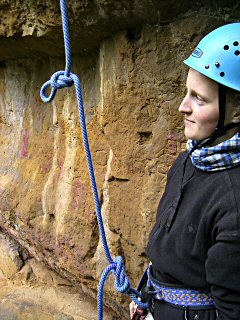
column 235, row 43
column 222, row 74
column 217, row 64
column 207, row 66
column 237, row 52
column 226, row 47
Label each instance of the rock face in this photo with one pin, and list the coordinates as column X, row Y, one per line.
column 29, row 290
column 133, row 81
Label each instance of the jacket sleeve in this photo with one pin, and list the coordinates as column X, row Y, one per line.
column 223, row 273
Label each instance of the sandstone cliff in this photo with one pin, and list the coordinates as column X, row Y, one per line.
column 128, row 55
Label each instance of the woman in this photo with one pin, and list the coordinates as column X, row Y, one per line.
column 194, row 246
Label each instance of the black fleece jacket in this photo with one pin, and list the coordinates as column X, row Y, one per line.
column 195, row 242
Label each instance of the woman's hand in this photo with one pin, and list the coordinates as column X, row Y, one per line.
column 137, row 313
column 132, row 308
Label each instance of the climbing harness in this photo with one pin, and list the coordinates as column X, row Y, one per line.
column 179, row 296
column 66, row 78
column 186, row 299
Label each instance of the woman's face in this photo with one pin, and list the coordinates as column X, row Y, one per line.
column 200, row 106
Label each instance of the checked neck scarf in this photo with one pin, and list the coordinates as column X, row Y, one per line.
column 223, row 156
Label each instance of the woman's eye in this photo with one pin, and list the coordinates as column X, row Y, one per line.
column 198, row 98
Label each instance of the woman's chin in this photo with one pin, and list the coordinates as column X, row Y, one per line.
column 189, row 135
column 193, row 135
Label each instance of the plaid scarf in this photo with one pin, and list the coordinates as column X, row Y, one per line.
column 223, row 156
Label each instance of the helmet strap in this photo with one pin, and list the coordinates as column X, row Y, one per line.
column 220, row 130
column 222, row 94
column 219, row 133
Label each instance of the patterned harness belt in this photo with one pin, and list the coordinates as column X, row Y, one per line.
column 179, row 296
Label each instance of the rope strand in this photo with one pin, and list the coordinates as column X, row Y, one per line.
column 59, row 80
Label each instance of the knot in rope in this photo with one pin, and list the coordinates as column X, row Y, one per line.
column 57, row 81
column 122, row 283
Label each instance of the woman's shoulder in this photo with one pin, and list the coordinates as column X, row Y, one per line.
column 177, row 163
column 229, row 189
column 181, row 158
column 232, row 178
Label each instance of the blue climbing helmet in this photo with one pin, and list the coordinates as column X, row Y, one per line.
column 217, row 56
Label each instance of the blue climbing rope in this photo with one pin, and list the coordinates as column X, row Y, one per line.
column 59, row 80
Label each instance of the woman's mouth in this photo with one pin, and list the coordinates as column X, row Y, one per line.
column 189, row 121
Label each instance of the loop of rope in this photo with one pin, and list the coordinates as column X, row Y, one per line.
column 59, row 80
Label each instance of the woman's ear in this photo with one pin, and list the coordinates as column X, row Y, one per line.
column 233, row 105
column 236, row 115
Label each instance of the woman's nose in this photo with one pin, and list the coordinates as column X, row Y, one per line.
column 185, row 106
